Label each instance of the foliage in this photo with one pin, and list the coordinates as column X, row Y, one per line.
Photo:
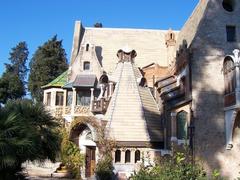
column 12, row 81
column 18, row 58
column 70, row 155
column 178, row 167
column 104, row 169
column 11, row 87
column 47, row 63
column 27, row 132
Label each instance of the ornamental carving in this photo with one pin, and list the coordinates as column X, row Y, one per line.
column 82, row 110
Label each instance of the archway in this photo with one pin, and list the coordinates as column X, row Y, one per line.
column 83, row 135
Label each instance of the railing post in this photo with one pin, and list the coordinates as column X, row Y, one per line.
column 91, row 100
column 74, row 97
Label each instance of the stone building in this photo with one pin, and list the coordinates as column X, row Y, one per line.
column 156, row 89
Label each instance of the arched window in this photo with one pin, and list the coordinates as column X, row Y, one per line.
column 228, row 5
column 117, row 156
column 86, row 65
column 229, row 75
column 87, row 47
column 182, row 125
column 137, row 156
column 127, row 156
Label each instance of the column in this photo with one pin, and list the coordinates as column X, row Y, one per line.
column 173, row 126
column 230, row 117
column 110, row 89
column 74, row 98
column 132, row 156
column 53, row 98
column 92, row 98
column 44, row 97
column 123, row 156
column 64, row 100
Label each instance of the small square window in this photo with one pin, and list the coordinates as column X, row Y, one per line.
column 231, row 33
column 86, row 65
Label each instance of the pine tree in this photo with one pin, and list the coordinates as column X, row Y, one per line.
column 18, row 58
column 48, row 62
column 12, row 82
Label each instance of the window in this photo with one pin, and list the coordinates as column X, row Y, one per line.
column 89, row 136
column 83, row 98
column 229, row 75
column 231, row 33
column 127, row 156
column 137, row 156
column 117, row 156
column 87, row 47
column 69, row 98
column 228, row 5
column 48, row 103
column 86, row 65
column 182, row 125
column 59, row 98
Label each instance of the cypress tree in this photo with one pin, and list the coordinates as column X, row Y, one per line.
column 48, row 62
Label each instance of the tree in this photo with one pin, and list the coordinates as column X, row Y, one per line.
column 27, row 132
column 18, row 58
column 48, row 62
column 11, row 87
column 12, row 82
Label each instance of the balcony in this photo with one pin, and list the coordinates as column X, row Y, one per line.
column 100, row 106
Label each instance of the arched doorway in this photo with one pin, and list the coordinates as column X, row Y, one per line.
column 82, row 135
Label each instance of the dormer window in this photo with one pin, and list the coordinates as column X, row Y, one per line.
column 86, row 65
column 87, row 47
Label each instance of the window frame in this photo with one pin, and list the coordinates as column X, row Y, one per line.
column 117, row 156
column 231, row 33
column 59, row 99
column 128, row 156
column 86, row 65
column 182, row 132
column 48, row 98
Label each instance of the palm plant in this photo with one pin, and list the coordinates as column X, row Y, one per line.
column 27, row 132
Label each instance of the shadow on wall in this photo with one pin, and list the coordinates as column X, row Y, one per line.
column 98, row 50
column 155, row 128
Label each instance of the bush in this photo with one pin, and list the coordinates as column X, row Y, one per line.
column 178, row 167
column 104, row 169
column 71, row 156
column 27, row 132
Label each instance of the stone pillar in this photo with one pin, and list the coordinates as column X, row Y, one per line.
column 110, row 89
column 53, row 98
column 132, row 156
column 74, row 98
column 44, row 98
column 92, row 98
column 173, row 126
column 122, row 156
column 230, row 117
column 64, row 100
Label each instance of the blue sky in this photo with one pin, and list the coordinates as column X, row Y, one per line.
column 35, row 21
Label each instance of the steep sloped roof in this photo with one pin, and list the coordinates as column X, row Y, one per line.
column 58, row 82
column 148, row 43
column 132, row 113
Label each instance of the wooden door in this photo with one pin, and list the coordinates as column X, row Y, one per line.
column 90, row 160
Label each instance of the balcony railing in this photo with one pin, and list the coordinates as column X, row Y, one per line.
column 100, row 106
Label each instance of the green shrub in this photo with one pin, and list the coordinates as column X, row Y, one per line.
column 104, row 169
column 178, row 167
column 71, row 156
